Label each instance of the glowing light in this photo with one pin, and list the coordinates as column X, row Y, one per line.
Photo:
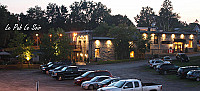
column 163, row 36
column 182, row 36
column 152, row 36
column 132, row 54
column 191, row 36
column 74, row 34
column 36, row 34
column 81, row 54
column 109, row 42
column 186, row 45
column 97, row 42
column 173, row 36
column 50, row 35
column 60, row 35
column 86, row 55
column 145, row 35
column 170, row 45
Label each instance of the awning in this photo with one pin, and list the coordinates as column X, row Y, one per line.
column 180, row 40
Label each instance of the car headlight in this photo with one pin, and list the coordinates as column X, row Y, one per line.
column 56, row 74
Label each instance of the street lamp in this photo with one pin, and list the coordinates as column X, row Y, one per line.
column 37, row 38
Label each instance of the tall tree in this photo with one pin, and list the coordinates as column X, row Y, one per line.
column 118, row 19
column 146, row 17
column 167, row 18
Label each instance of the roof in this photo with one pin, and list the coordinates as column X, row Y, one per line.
column 102, row 38
column 176, row 32
column 83, row 31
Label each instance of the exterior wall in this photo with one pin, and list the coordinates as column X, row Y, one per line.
column 106, row 49
column 163, row 48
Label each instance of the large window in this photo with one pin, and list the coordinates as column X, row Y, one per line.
column 156, row 39
column 97, row 52
column 190, row 43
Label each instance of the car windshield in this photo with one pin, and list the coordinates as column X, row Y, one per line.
column 159, row 61
column 112, row 84
column 167, row 57
column 63, row 69
column 94, row 79
column 85, row 74
column 106, row 80
column 50, row 65
column 58, row 67
column 119, row 84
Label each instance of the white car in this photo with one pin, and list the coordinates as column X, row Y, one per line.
column 153, row 63
column 132, row 85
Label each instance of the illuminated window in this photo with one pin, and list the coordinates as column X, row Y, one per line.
column 163, row 36
column 97, row 52
column 155, row 39
column 173, row 36
column 191, row 36
column 145, row 35
column 182, row 36
column 132, row 54
column 97, row 42
column 152, row 36
column 190, row 43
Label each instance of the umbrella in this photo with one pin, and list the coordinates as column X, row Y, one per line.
column 4, row 53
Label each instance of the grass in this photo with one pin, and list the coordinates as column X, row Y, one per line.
column 194, row 61
column 113, row 61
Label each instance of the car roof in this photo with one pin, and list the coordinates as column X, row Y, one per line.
column 195, row 70
column 189, row 67
column 98, row 71
column 101, row 76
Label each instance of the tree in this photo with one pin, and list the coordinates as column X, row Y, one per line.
column 118, row 19
column 167, row 20
column 102, row 30
column 122, row 34
column 146, row 18
column 55, row 46
column 21, row 45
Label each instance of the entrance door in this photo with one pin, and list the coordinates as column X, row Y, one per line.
column 179, row 46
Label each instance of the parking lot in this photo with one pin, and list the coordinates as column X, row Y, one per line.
column 25, row 80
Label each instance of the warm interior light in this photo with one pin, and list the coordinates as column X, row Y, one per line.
column 109, row 42
column 152, row 36
column 182, row 36
column 36, row 34
column 132, row 54
column 163, row 36
column 173, row 36
column 60, row 35
column 81, row 54
column 145, row 35
column 97, row 42
column 191, row 36
column 74, row 34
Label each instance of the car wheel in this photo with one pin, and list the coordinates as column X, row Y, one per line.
column 165, row 72
column 198, row 79
column 60, row 78
column 91, row 87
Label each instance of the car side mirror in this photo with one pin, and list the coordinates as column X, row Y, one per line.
column 125, row 87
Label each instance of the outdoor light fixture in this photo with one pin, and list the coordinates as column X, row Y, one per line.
column 36, row 34
column 191, row 36
column 81, row 54
column 109, row 42
column 173, row 36
column 50, row 35
column 145, row 35
column 182, row 36
column 152, row 36
column 74, row 34
column 97, row 42
column 60, row 35
column 37, row 38
column 163, row 36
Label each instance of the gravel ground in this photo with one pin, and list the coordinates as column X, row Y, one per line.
column 25, row 80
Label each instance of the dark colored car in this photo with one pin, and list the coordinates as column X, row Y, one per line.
column 51, row 66
column 68, row 72
column 45, row 65
column 167, row 58
column 194, row 74
column 167, row 68
column 182, row 57
column 106, row 82
column 182, row 71
column 56, row 69
column 91, row 74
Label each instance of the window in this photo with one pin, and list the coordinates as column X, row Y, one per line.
column 91, row 75
column 97, row 52
column 156, row 39
column 190, row 43
column 129, row 85
column 132, row 54
column 136, row 84
column 166, row 42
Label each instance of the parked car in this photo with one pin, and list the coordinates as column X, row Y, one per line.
column 93, row 83
column 182, row 57
column 45, row 65
column 167, row 68
column 194, row 74
column 68, row 72
column 167, row 58
column 51, row 66
column 153, row 63
column 59, row 68
column 182, row 71
column 106, row 82
column 132, row 85
column 91, row 74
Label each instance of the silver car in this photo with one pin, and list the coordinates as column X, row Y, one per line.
column 92, row 84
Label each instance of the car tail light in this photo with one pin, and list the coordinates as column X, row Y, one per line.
column 161, row 88
column 192, row 75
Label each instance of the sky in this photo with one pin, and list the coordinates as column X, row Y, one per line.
column 189, row 10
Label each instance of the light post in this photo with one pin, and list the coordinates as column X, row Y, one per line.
column 37, row 38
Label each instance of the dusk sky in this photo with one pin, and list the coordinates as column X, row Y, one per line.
column 189, row 10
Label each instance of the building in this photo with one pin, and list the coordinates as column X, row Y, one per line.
column 87, row 48
column 170, row 42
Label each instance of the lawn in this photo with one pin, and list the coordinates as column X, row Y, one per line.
column 194, row 61
column 113, row 61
